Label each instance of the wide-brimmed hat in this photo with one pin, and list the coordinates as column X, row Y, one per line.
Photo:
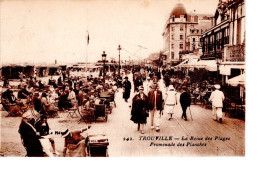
column 217, row 86
column 126, row 77
column 171, row 87
column 148, row 78
column 141, row 88
column 27, row 115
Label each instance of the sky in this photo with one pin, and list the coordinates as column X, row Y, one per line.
column 42, row 31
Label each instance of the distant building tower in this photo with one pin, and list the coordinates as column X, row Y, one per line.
column 178, row 27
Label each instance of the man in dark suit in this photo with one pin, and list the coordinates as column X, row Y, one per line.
column 155, row 106
column 30, row 137
column 127, row 89
column 185, row 102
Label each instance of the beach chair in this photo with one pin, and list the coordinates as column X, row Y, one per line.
column 73, row 111
column 7, row 108
column 112, row 99
column 100, row 111
column 87, row 116
column 97, row 145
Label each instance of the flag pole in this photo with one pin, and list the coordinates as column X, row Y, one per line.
column 87, row 38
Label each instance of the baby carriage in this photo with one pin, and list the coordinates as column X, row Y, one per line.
column 97, row 145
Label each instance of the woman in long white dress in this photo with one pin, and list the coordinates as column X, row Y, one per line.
column 170, row 101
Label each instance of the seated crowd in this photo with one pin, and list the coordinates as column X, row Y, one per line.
column 58, row 96
column 47, row 99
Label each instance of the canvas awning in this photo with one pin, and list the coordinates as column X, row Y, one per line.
column 210, row 65
column 192, row 63
column 238, row 80
column 183, row 63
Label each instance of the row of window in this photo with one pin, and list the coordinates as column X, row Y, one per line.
column 216, row 41
column 181, row 37
column 181, row 46
column 181, row 18
column 181, row 28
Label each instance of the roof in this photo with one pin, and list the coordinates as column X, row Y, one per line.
column 178, row 10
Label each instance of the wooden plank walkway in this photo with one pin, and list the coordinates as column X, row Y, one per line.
column 119, row 126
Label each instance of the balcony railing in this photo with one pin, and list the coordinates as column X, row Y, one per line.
column 234, row 53
column 212, row 54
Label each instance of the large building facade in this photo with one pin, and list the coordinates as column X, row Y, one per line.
column 182, row 32
column 226, row 39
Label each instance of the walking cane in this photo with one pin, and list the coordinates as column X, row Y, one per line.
column 190, row 114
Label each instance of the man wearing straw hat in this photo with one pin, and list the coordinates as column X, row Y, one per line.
column 30, row 137
column 217, row 97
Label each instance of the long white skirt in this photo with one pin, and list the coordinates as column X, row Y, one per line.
column 169, row 108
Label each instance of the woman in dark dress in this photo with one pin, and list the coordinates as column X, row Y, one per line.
column 139, row 113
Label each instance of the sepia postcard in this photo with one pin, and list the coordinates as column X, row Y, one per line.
column 122, row 78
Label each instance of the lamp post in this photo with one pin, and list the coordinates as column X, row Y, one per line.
column 104, row 55
column 119, row 48
column 218, row 61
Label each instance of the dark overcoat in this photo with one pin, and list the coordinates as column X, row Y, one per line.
column 138, row 112
column 30, row 140
column 127, row 89
column 151, row 100
column 185, row 99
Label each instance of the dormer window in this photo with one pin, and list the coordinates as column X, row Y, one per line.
column 181, row 17
column 173, row 19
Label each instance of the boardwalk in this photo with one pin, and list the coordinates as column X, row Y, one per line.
column 202, row 126
column 125, row 140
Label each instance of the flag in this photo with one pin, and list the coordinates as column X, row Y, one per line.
column 88, row 39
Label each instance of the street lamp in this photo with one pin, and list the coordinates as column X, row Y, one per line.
column 119, row 48
column 218, row 61
column 104, row 55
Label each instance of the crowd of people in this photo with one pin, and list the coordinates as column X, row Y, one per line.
column 43, row 100
column 151, row 102
column 66, row 92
